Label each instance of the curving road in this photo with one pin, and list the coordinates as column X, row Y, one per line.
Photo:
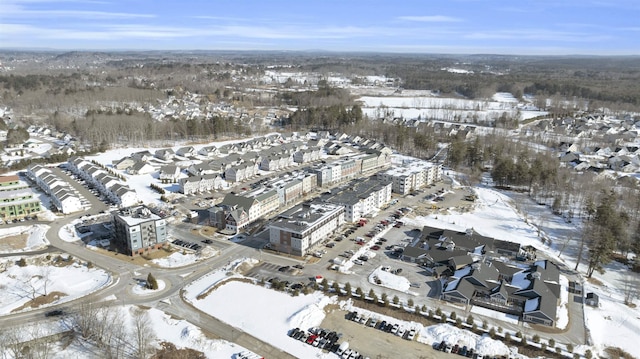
column 124, row 275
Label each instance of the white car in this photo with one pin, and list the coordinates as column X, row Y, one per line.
column 358, row 262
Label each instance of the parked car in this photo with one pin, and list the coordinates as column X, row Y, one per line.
column 54, row 313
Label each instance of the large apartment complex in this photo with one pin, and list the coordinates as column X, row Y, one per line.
column 412, row 175
column 305, row 226
column 138, row 230
column 16, row 199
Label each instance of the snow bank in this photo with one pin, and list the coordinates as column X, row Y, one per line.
column 454, row 335
column 389, row 280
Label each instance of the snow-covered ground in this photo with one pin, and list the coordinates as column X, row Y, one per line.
column 387, row 279
column 446, row 108
column 268, row 314
column 20, row 285
column 180, row 259
column 35, row 237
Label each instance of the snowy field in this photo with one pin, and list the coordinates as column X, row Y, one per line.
column 268, row 314
column 21, row 285
column 448, row 109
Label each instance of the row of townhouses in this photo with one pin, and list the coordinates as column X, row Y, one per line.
column 105, row 182
column 62, row 195
column 16, row 199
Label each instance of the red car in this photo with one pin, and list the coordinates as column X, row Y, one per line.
column 375, row 248
column 311, row 338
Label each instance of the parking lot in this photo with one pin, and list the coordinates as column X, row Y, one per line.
column 389, row 240
column 376, row 343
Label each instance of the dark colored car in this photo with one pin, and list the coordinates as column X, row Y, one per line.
column 54, row 313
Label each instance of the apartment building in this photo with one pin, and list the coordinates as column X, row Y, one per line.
column 305, row 226
column 138, row 230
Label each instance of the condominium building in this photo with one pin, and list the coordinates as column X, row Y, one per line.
column 138, row 230
column 16, row 199
column 305, row 226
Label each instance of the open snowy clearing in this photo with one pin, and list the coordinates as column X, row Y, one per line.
column 35, row 238
column 235, row 303
column 40, row 277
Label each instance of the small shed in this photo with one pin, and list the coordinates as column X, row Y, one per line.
column 592, row 299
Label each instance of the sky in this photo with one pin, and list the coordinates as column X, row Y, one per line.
column 525, row 27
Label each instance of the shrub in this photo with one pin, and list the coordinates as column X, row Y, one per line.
column 524, row 341
column 552, row 343
column 499, row 329
column 470, row 319
column 485, row 325
column 507, row 337
column 439, row 312
column 576, row 356
column 430, row 314
column 558, row 350
column 588, row 354
column 459, row 323
column 424, row 309
column 519, row 335
column 536, row 338
column 410, row 303
column 492, row 333
column 396, row 300
column 359, row 292
column 570, row 348
column 453, row 316
column 21, row 262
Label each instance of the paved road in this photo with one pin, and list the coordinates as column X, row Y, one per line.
column 124, row 274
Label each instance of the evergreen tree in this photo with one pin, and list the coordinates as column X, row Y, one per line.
column 609, row 227
column 347, row 289
column 152, row 283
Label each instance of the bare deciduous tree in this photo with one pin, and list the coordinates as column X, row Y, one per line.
column 143, row 333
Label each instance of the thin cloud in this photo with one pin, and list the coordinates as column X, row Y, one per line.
column 430, row 18
column 536, row 34
column 15, row 10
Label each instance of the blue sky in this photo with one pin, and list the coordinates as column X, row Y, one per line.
column 599, row 27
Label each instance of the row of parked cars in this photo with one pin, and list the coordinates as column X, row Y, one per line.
column 388, row 327
column 185, row 244
column 327, row 340
column 317, row 337
column 462, row 351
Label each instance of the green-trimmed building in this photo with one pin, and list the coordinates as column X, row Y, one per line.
column 16, row 199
